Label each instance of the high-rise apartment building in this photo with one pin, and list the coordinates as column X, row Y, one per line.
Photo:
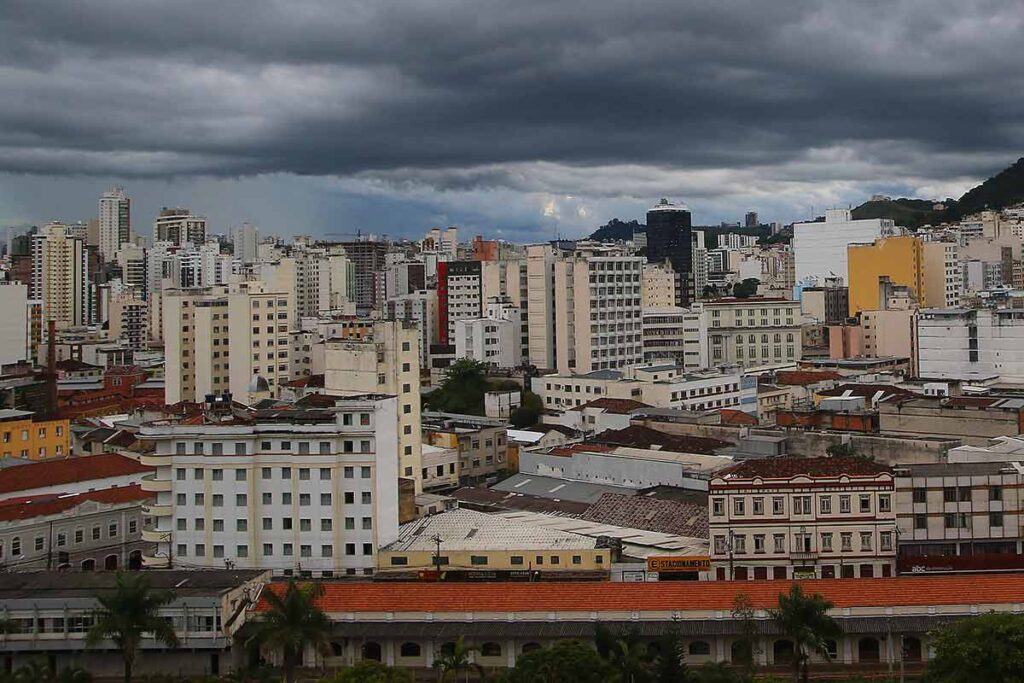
column 821, row 247
column 659, row 281
column 60, row 276
column 246, row 239
column 322, row 279
column 382, row 356
column 129, row 319
column 943, row 280
column 460, row 295
column 301, row 492
column 16, row 331
column 669, row 237
column 894, row 260
column 179, row 226
column 584, row 306
column 493, row 338
column 115, row 222
column 368, row 263
column 221, row 339
column 419, row 308
column 676, row 335
column 750, row 220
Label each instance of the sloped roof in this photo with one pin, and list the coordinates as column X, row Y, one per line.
column 803, row 378
column 787, row 468
column 51, row 504
column 461, row 529
column 617, row 406
column 650, row 514
column 636, row 436
column 69, row 471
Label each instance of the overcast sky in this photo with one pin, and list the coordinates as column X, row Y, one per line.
column 513, row 118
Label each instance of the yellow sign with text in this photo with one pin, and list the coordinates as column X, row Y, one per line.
column 678, row 563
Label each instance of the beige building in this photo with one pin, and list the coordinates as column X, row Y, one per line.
column 482, row 442
column 974, row 420
column 754, row 331
column 792, row 518
column 943, row 281
column 469, row 541
column 385, row 359
column 659, row 281
column 60, row 276
column 584, row 309
column 221, row 339
column 129, row 319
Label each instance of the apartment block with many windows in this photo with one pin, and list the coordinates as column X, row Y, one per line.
column 307, row 492
column 752, row 332
column 799, row 518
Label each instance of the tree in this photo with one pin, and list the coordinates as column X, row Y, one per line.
column 528, row 412
column 450, row 663
column 126, row 613
column 989, row 647
column 804, row 619
column 743, row 613
column 369, row 671
column 668, row 664
column 567, row 661
column 626, row 655
column 746, row 289
column 293, row 623
column 462, row 390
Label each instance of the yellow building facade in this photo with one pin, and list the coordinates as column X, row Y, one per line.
column 901, row 259
column 23, row 437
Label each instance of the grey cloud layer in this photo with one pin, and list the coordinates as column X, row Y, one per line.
column 578, row 96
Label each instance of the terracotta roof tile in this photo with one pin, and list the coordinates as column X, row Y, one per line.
column 69, row 471
column 636, row 436
column 502, row 598
column 731, row 416
column 804, row 377
column 50, row 504
column 618, row 406
column 787, row 468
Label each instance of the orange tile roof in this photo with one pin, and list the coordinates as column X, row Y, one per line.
column 560, row 596
column 787, row 467
column 51, row 504
column 618, row 406
column 736, row 417
column 805, row 377
column 68, row 471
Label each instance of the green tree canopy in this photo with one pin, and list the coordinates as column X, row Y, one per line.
column 369, row 671
column 462, row 390
column 293, row 623
column 804, row 620
column 746, row 289
column 564, row 662
column 989, row 647
column 126, row 613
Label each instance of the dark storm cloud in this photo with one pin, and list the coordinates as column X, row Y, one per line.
column 587, row 97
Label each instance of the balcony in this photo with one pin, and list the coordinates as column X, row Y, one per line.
column 157, row 510
column 151, row 484
column 804, row 555
column 151, row 535
column 154, row 460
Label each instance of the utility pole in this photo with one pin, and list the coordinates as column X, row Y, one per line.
column 49, row 544
column 437, row 556
column 730, row 546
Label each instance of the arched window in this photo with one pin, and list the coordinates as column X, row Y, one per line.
column 490, row 650
column 531, row 647
column 110, row 563
column 16, row 546
column 337, row 649
column 89, row 565
column 911, row 649
column 371, row 650
column 782, row 652
column 409, row 650
column 868, row 650
column 699, row 648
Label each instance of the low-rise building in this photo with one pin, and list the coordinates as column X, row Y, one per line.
column 71, row 475
column 960, row 516
column 753, row 332
column 23, row 436
column 973, row 419
column 440, row 467
column 464, row 542
column 482, row 442
column 803, row 518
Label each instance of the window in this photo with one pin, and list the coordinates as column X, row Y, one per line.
column 200, row 550
column 268, row 549
column 844, row 504
column 241, row 525
column 758, row 505
column 720, row 546
column 304, row 471
column 865, row 503
column 265, row 472
column 718, row 506
column 801, row 505
column 846, row 538
column 778, row 505
column 995, row 493
column 325, row 524
column 268, row 524
column 240, row 475
column 268, row 498
column 286, row 499
column 327, row 551
column 884, row 503
column 367, row 549
column 364, row 472
column 218, row 500
column 112, row 530
column 865, row 540
column 885, row 540
column 758, row 543
column 305, row 524
column 199, row 499
column 739, row 544
column 241, row 500
column 286, row 472
column 826, row 542
column 949, row 494
column 825, row 505
column 325, row 472
column 995, row 519
column 367, row 523
column 350, row 523
column 39, row 543
column 367, row 498
column 920, row 521
column 304, row 499
column 242, row 551
column 478, row 560
column 738, row 506
column 218, row 474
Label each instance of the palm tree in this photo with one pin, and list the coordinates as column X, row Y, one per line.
column 450, row 663
column 805, row 621
column 126, row 613
column 292, row 623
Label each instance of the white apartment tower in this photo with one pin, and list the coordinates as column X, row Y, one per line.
column 115, row 222
column 821, row 247
column 60, row 276
column 301, row 492
column 584, row 306
column 246, row 238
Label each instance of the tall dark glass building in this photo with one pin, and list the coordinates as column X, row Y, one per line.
column 669, row 237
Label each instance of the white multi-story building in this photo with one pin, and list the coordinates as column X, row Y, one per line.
column 794, row 518
column 460, row 295
column 492, row 339
column 420, row 308
column 301, row 492
column 961, row 343
column 115, row 224
column 821, row 247
column 179, row 226
column 60, row 276
column 752, row 332
column 16, row 331
column 676, row 335
column 659, row 281
column 226, row 339
column 246, row 238
column 129, row 319
column 584, row 306
column 660, row 386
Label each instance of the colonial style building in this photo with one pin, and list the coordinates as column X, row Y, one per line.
column 803, row 518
